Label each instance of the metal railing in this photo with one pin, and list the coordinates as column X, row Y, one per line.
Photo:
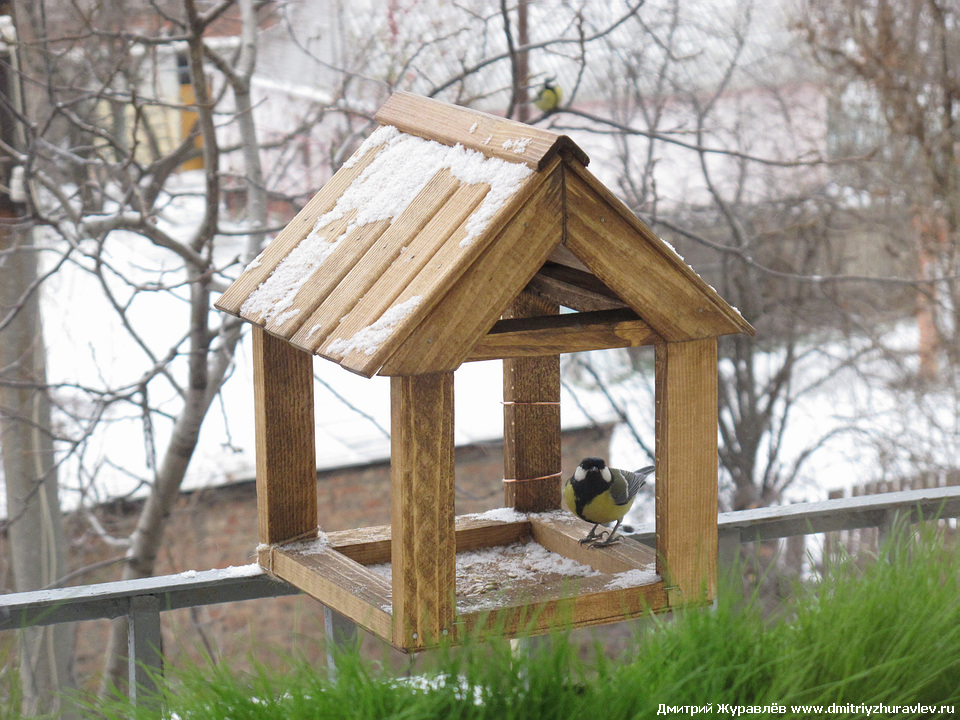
column 142, row 601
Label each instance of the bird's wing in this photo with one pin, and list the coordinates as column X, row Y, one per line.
column 626, row 484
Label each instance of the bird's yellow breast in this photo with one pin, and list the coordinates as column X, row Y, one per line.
column 548, row 98
column 569, row 498
column 602, row 509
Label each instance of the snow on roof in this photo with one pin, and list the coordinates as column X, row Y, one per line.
column 370, row 338
column 402, row 167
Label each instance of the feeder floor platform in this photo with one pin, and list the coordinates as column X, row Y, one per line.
column 516, row 574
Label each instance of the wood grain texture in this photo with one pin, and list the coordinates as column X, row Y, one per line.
column 284, row 423
column 325, row 279
column 367, row 546
column 444, row 231
column 563, row 605
column 640, row 268
column 339, row 583
column 423, row 551
column 491, row 135
column 362, row 267
column 475, row 534
column 687, row 460
column 574, row 289
column 465, row 304
column 562, row 535
column 531, row 421
column 371, row 545
column 288, row 238
column 566, row 333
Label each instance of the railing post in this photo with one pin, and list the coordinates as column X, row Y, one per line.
column 729, row 568
column 144, row 654
column 728, row 550
column 891, row 522
column 340, row 633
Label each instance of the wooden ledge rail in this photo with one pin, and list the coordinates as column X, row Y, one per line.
column 143, row 600
column 779, row 521
column 565, row 333
column 112, row 599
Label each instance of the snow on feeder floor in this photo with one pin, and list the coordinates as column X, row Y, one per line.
column 485, row 576
column 515, row 573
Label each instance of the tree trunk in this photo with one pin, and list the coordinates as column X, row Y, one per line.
column 208, row 366
column 34, row 520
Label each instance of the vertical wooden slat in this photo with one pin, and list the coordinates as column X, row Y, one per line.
column 531, row 421
column 286, row 457
column 423, row 548
column 686, row 456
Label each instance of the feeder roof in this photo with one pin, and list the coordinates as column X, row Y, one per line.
column 408, row 256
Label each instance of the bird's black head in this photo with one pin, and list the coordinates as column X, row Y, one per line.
column 592, row 470
column 593, row 463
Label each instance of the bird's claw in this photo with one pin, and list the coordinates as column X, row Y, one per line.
column 600, row 542
column 592, row 536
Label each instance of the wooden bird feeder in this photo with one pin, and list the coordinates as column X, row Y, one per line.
column 452, row 236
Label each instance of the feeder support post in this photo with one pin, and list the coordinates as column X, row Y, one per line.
column 423, row 544
column 531, row 421
column 687, row 461
column 286, row 454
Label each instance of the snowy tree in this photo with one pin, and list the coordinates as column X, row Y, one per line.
column 896, row 74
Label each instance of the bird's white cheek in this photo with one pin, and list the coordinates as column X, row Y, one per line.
column 605, row 473
column 579, row 474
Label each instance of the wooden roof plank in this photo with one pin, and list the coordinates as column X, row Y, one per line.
column 266, row 314
column 640, row 268
column 288, row 238
column 331, row 276
column 443, row 339
column 445, row 228
column 442, row 272
column 347, row 244
column 367, row 268
column 491, row 135
column 565, row 333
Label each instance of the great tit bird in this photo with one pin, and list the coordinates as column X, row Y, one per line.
column 600, row 494
column 549, row 97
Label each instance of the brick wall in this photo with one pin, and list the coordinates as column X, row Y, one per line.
column 217, row 528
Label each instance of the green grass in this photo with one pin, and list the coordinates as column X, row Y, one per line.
column 888, row 633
